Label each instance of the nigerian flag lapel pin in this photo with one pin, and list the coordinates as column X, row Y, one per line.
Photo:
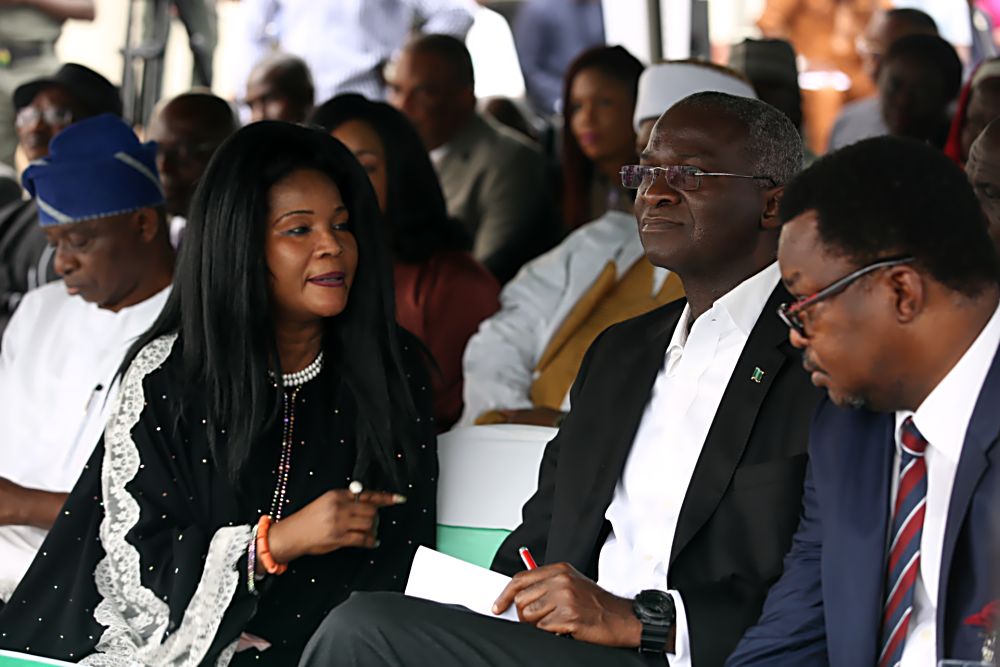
column 758, row 375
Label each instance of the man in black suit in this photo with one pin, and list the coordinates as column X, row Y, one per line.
column 670, row 495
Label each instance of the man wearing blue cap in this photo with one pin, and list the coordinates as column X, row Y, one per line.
column 100, row 205
column 45, row 107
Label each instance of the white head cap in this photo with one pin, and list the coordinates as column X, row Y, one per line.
column 663, row 85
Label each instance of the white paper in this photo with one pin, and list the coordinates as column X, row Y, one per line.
column 441, row 578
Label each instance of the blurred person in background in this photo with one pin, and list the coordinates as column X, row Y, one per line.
column 862, row 119
column 45, row 107
column 919, row 79
column 28, row 33
column 49, row 104
column 983, row 170
column 442, row 292
column 823, row 33
column 280, row 87
column 770, row 66
column 978, row 104
column 599, row 95
column 187, row 130
column 494, row 181
column 549, row 34
column 953, row 19
column 345, row 43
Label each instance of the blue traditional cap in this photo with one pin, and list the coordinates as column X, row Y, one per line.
column 95, row 168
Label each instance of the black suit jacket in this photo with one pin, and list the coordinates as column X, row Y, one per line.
column 742, row 505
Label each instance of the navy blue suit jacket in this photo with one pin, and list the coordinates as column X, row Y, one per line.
column 826, row 607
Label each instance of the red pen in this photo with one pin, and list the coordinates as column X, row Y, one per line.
column 529, row 562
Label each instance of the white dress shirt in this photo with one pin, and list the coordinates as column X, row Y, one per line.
column 500, row 359
column 682, row 406
column 342, row 41
column 58, row 359
column 943, row 418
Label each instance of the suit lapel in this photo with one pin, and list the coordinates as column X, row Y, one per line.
column 854, row 562
column 730, row 430
column 984, row 429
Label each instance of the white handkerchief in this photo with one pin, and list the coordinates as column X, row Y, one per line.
column 440, row 578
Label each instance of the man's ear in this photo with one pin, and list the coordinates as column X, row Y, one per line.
column 147, row 221
column 769, row 215
column 909, row 292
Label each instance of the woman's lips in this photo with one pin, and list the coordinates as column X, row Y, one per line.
column 332, row 279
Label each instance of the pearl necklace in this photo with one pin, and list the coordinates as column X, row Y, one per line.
column 299, row 378
column 293, row 383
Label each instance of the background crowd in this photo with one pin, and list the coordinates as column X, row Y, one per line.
column 413, row 217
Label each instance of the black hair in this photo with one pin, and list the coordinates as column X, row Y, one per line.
column 892, row 196
column 220, row 302
column 773, row 143
column 931, row 52
column 452, row 50
column 213, row 111
column 291, row 77
column 914, row 18
column 416, row 215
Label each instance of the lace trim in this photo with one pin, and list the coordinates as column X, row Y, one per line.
column 134, row 617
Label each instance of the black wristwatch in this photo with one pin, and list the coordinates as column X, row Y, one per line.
column 656, row 611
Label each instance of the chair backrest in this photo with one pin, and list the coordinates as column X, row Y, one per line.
column 486, row 475
column 14, row 659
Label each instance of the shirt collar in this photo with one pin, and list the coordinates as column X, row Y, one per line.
column 741, row 305
column 943, row 418
column 744, row 302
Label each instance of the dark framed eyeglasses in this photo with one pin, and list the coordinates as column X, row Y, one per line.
column 791, row 314
column 53, row 116
column 679, row 177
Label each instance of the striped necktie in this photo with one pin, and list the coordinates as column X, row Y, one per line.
column 904, row 551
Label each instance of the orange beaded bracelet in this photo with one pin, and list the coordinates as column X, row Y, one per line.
column 264, row 549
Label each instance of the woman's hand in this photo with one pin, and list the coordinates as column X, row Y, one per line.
column 335, row 520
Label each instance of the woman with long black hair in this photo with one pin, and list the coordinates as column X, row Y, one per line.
column 442, row 292
column 599, row 93
column 272, row 448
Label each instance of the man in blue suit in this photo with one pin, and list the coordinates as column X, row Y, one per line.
column 887, row 252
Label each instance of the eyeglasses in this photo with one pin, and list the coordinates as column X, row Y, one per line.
column 53, row 116
column 791, row 314
column 679, row 177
